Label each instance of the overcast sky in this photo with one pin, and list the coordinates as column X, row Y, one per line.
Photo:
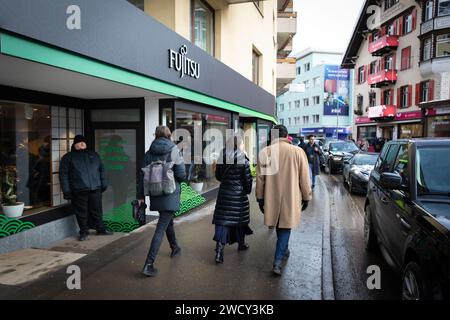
column 325, row 24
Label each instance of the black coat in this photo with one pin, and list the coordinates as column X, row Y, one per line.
column 315, row 160
column 232, row 206
column 81, row 171
column 164, row 149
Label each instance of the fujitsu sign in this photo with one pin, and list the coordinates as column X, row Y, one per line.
column 179, row 62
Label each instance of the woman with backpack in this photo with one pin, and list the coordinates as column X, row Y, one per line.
column 164, row 150
column 232, row 212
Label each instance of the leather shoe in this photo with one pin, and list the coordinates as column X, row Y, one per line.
column 82, row 237
column 175, row 251
column 243, row 247
column 149, row 270
column 104, row 233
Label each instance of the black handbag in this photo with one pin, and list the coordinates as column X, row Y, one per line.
column 139, row 212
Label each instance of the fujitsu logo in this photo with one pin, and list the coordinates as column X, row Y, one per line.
column 182, row 64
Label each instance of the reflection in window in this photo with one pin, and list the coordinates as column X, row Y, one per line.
column 444, row 7
column 203, row 33
column 443, row 45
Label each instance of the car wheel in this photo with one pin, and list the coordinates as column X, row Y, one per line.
column 414, row 284
column 370, row 238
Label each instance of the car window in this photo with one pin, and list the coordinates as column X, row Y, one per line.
column 401, row 163
column 433, row 171
column 343, row 146
column 365, row 159
column 385, row 164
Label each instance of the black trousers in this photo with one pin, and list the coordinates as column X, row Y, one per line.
column 88, row 210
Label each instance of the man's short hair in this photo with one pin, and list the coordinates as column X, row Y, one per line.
column 311, row 136
column 282, row 131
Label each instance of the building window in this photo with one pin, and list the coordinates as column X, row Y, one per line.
column 138, row 3
column 408, row 24
column 297, row 104
column 391, row 29
column 372, row 99
column 426, row 54
column 373, row 67
column 289, row 105
column 389, row 62
column 361, row 74
column 429, row 10
column 444, row 7
column 316, row 82
column 306, row 102
column 203, row 24
column 316, row 118
column 307, row 84
column 424, row 91
column 443, row 45
column 389, row 3
column 256, row 62
column 289, row 121
column 359, row 103
column 387, row 98
column 307, row 67
column 299, row 70
column 406, row 58
column 282, row 121
column 305, row 119
column 316, row 100
column 404, row 97
column 281, row 106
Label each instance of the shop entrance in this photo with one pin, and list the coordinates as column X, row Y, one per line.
column 388, row 132
column 119, row 146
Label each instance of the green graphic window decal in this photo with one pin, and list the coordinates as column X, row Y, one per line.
column 9, row 226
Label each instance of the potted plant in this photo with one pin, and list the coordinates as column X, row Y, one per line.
column 10, row 207
column 196, row 182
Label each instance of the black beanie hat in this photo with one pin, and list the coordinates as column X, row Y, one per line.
column 79, row 138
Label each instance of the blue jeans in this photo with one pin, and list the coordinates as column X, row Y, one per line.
column 283, row 236
column 165, row 225
column 312, row 175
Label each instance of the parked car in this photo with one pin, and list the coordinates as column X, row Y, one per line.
column 335, row 152
column 407, row 213
column 357, row 170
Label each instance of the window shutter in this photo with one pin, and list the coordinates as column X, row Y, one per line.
column 414, row 19
column 399, row 97
column 400, row 26
column 364, row 74
column 403, row 63
column 410, row 88
column 417, row 94
column 383, row 31
column 394, row 61
column 381, row 63
column 431, row 90
column 382, row 98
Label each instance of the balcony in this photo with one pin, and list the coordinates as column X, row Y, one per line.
column 383, row 45
column 435, row 66
column 286, row 72
column 437, row 23
column 382, row 112
column 382, row 78
column 286, row 28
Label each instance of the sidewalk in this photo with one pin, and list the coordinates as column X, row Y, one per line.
column 114, row 271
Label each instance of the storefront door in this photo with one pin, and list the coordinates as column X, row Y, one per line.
column 388, row 133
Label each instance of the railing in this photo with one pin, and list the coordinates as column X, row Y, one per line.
column 382, row 77
column 384, row 42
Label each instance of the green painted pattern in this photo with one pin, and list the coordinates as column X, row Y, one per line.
column 120, row 219
column 10, row 226
column 29, row 50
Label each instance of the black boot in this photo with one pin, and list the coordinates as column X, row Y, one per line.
column 219, row 252
column 149, row 270
column 243, row 246
column 175, row 250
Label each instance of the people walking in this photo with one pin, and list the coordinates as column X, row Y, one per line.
column 82, row 178
column 232, row 212
column 313, row 153
column 283, row 189
column 163, row 150
column 302, row 143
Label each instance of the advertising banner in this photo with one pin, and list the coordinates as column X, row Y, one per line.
column 336, row 91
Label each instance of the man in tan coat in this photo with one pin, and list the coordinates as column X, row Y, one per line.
column 283, row 189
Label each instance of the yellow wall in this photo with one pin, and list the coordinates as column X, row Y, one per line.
column 238, row 29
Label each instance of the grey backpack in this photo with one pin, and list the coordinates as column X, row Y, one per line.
column 159, row 179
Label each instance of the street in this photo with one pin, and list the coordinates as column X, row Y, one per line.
column 114, row 271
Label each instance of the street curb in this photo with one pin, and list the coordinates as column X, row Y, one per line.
column 327, row 267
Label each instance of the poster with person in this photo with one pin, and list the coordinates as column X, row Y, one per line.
column 336, row 91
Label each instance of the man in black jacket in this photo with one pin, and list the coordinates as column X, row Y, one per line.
column 82, row 178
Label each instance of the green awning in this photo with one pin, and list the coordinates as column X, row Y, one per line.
column 30, row 50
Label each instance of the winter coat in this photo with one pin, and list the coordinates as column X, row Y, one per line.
column 316, row 157
column 80, row 171
column 164, row 149
column 232, row 205
column 283, row 182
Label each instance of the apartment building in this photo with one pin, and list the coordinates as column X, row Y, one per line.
column 395, row 83
column 322, row 106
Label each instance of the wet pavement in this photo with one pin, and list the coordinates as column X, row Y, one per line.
column 327, row 260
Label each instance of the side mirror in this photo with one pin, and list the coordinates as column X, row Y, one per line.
column 391, row 181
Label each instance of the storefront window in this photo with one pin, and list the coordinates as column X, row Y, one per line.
column 25, row 152
column 408, row 131
column 439, row 126
column 203, row 23
column 33, row 138
column 368, row 134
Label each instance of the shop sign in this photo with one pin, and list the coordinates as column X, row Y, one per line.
column 382, row 112
column 361, row 120
column 185, row 66
column 408, row 115
column 435, row 112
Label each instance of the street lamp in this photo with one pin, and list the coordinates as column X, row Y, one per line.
column 337, row 115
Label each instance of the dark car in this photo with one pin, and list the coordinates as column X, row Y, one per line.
column 407, row 213
column 357, row 170
column 335, row 152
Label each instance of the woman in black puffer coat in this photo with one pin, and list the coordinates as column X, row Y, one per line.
column 232, row 213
